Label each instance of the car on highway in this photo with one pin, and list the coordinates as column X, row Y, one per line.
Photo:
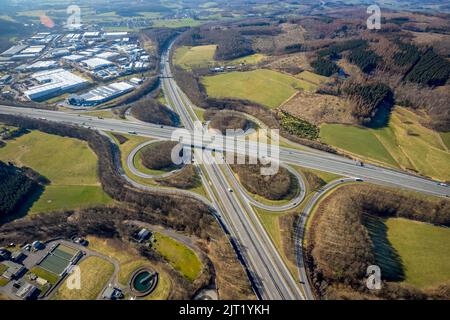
column 132, row 132
column 359, row 180
column 230, row 190
column 442, row 184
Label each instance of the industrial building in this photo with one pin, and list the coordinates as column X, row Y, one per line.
column 96, row 63
column 33, row 50
column 13, row 271
column 5, row 79
column 74, row 57
column 107, row 55
column 60, row 52
column 42, row 38
column 41, row 65
column 23, row 56
column 27, row 291
column 53, row 83
column 115, row 35
column 14, row 50
column 101, row 94
column 91, row 34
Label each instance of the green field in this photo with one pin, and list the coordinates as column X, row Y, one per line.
column 69, row 197
column 203, row 56
column 180, row 256
column 44, row 274
column 3, row 281
column 176, row 23
column 195, row 57
column 266, row 87
column 3, row 268
column 423, row 251
column 312, row 77
column 356, row 140
column 250, row 59
column 404, row 143
column 68, row 163
column 446, row 138
column 95, row 273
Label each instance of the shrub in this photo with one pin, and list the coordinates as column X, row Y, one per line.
column 150, row 110
column 157, row 156
column 223, row 121
column 273, row 187
column 298, row 127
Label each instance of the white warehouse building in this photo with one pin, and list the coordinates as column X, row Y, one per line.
column 54, row 82
column 101, row 94
column 96, row 63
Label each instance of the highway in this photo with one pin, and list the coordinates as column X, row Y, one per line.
column 269, row 272
column 305, row 158
column 270, row 275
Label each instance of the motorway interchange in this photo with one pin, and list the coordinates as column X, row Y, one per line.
column 268, row 272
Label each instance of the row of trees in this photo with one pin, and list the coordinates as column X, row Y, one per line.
column 160, row 37
column 431, row 69
column 145, row 88
column 407, row 55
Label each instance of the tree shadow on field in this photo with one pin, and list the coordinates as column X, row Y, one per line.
column 382, row 117
column 25, row 205
column 386, row 257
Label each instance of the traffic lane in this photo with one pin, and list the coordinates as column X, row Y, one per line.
column 262, row 235
column 273, row 283
column 310, row 160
